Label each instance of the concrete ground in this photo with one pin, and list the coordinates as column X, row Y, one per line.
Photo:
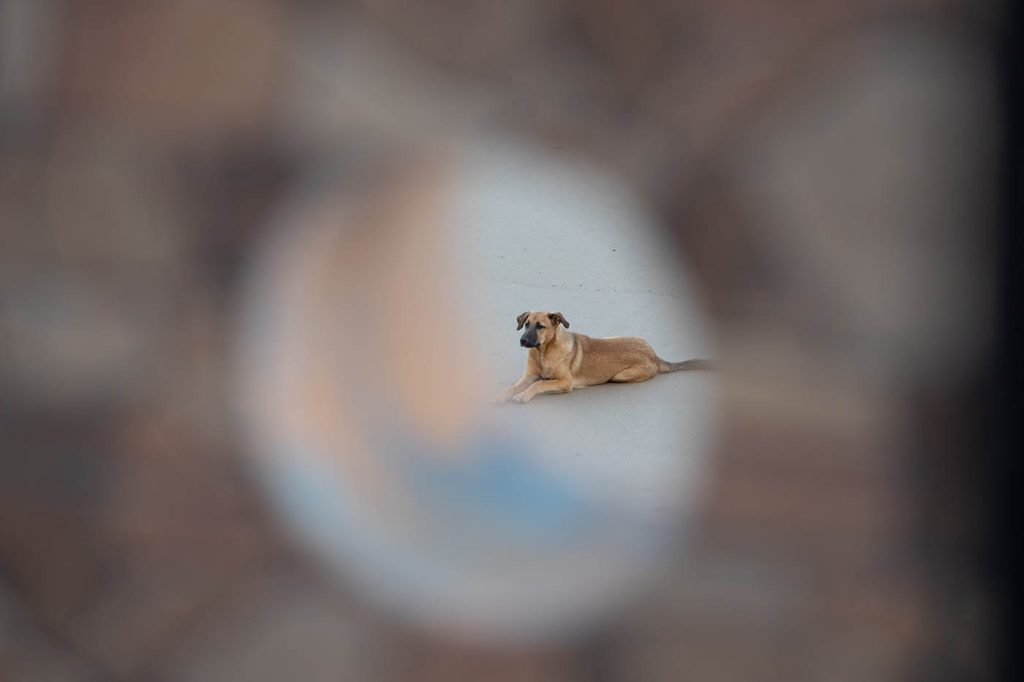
column 547, row 232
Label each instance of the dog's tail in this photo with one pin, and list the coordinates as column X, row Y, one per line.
column 665, row 366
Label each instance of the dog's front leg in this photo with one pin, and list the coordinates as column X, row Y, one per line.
column 526, row 381
column 549, row 386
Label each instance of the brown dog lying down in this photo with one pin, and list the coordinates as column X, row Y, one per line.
column 560, row 360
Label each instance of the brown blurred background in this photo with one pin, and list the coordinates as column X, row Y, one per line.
column 828, row 170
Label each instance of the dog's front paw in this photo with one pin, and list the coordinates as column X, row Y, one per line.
column 522, row 398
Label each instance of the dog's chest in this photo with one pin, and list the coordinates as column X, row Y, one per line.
column 554, row 366
column 548, row 368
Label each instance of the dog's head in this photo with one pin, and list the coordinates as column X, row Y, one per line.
column 540, row 327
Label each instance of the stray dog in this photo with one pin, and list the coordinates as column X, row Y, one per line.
column 560, row 361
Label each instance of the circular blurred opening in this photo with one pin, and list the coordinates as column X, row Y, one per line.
column 379, row 320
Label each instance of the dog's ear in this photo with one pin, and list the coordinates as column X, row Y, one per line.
column 557, row 317
column 522, row 320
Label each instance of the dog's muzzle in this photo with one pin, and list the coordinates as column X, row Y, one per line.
column 528, row 343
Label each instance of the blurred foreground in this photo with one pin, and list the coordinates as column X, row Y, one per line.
column 826, row 171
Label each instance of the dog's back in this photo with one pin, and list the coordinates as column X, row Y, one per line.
column 601, row 359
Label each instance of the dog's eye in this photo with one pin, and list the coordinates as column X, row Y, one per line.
column 540, row 326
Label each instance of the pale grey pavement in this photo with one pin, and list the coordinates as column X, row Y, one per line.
column 550, row 234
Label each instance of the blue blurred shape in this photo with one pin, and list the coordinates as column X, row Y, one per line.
column 491, row 480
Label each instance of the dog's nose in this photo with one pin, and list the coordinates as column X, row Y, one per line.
column 523, row 342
